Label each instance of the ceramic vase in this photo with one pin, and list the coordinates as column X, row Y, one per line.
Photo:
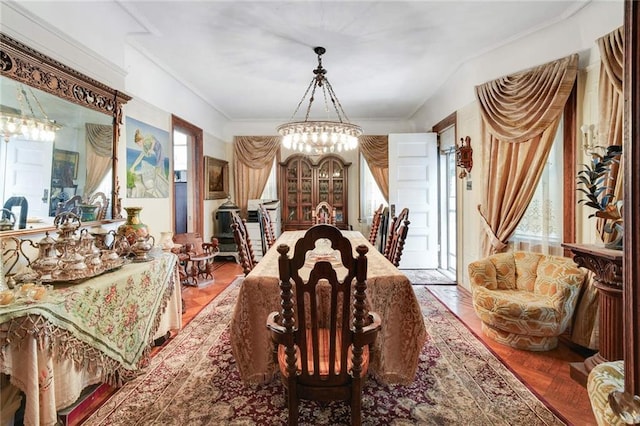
column 133, row 228
column 166, row 240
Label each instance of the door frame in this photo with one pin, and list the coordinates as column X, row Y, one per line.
column 195, row 170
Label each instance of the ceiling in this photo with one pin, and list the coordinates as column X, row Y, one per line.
column 253, row 60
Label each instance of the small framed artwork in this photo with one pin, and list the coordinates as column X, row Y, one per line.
column 64, row 167
column 216, row 178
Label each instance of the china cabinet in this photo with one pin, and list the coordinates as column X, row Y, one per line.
column 305, row 182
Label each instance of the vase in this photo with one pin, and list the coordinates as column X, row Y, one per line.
column 87, row 212
column 166, row 240
column 133, row 228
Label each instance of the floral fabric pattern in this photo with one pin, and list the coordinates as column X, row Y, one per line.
column 525, row 300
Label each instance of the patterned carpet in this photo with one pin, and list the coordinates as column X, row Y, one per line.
column 427, row 276
column 194, row 381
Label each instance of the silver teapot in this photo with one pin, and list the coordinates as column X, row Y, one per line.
column 48, row 259
column 142, row 247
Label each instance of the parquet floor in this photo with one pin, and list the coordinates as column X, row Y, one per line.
column 546, row 373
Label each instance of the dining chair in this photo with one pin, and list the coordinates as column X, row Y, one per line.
column 375, row 225
column 24, row 208
column 324, row 213
column 243, row 242
column 100, row 199
column 397, row 235
column 266, row 228
column 71, row 205
column 321, row 350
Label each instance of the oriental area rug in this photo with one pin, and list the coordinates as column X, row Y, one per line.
column 194, row 381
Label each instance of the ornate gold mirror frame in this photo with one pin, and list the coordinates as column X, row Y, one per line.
column 26, row 65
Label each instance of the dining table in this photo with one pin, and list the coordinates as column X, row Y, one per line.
column 389, row 293
column 98, row 330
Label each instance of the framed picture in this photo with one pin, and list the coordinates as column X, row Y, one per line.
column 64, row 167
column 216, row 178
column 148, row 165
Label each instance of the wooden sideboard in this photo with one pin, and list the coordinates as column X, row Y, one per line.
column 606, row 264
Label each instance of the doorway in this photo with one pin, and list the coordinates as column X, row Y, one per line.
column 187, row 177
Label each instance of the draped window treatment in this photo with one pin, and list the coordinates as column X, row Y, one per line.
column 610, row 101
column 254, row 158
column 375, row 150
column 520, row 116
column 99, row 142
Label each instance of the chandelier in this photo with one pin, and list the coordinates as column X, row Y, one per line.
column 318, row 137
column 14, row 122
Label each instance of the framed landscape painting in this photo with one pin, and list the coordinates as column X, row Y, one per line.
column 216, row 178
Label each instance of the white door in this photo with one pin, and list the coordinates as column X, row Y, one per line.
column 413, row 183
column 28, row 174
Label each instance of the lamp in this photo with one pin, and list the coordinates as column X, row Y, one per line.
column 589, row 137
column 318, row 137
column 14, row 122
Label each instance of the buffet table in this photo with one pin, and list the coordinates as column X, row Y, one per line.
column 389, row 293
column 96, row 331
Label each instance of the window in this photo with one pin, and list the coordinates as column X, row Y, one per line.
column 540, row 229
column 271, row 188
column 370, row 195
column 179, row 151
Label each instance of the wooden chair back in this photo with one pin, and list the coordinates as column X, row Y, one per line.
column 266, row 228
column 243, row 242
column 397, row 235
column 324, row 213
column 71, row 205
column 24, row 208
column 322, row 345
column 100, row 199
column 375, row 225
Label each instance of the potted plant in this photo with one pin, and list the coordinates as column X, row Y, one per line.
column 595, row 180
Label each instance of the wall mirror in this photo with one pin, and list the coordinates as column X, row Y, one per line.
column 41, row 174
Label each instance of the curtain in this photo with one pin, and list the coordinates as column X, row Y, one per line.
column 254, row 158
column 610, row 100
column 520, row 116
column 375, row 150
column 99, row 142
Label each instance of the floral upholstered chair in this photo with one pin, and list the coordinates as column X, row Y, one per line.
column 525, row 300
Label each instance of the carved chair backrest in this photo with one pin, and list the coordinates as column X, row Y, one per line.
column 243, row 242
column 397, row 235
column 375, row 225
column 324, row 213
column 71, row 205
column 266, row 226
column 192, row 243
column 24, row 208
column 100, row 199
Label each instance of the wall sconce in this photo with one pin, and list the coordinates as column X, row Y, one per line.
column 464, row 158
column 589, row 138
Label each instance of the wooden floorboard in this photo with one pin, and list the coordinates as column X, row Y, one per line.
column 546, row 373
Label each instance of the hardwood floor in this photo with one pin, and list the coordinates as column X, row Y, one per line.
column 546, row 373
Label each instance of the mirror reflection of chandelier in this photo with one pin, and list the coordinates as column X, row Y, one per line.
column 318, row 137
column 23, row 122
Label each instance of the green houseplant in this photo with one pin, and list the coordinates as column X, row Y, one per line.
column 595, row 181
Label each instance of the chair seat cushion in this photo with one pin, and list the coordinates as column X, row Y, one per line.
column 324, row 355
column 517, row 311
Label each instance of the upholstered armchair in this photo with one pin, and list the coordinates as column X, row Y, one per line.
column 525, row 300
column 603, row 379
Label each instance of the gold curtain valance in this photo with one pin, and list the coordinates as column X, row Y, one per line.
column 256, row 152
column 375, row 149
column 611, row 48
column 518, row 107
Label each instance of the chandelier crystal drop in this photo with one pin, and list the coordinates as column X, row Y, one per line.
column 319, row 137
column 19, row 123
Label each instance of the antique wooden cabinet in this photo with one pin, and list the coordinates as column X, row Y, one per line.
column 305, row 182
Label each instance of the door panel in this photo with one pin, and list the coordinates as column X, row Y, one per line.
column 28, row 174
column 413, row 183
